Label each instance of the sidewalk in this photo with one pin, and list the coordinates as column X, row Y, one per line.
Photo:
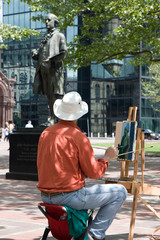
column 20, row 219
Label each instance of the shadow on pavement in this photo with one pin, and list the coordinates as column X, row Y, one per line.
column 125, row 237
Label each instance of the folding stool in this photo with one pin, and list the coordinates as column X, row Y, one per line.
column 57, row 222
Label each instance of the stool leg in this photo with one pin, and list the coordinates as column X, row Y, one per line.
column 45, row 234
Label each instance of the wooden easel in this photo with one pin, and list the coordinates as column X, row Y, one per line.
column 131, row 184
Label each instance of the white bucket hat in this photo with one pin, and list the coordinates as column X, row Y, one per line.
column 71, row 107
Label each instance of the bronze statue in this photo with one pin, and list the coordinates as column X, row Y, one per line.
column 49, row 76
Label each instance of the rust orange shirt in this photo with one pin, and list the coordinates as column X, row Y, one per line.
column 65, row 156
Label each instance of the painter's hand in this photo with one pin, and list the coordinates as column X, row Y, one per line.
column 111, row 153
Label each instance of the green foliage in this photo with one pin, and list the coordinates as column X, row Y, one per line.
column 14, row 33
column 151, row 88
column 137, row 20
column 154, row 72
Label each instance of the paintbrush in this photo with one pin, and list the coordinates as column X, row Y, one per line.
column 103, row 148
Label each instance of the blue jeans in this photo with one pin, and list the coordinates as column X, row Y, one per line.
column 107, row 197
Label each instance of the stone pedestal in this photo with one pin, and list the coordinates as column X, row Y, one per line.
column 23, row 154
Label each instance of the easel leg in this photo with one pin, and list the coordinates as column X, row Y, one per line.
column 133, row 215
column 123, row 164
column 149, row 206
column 127, row 169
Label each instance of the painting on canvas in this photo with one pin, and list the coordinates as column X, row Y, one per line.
column 125, row 139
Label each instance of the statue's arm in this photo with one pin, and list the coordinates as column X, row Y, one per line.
column 35, row 54
column 59, row 57
column 62, row 49
column 63, row 45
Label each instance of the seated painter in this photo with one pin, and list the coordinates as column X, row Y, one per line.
column 65, row 157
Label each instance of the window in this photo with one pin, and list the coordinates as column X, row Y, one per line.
column 97, row 92
column 107, row 91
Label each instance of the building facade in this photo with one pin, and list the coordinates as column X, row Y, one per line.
column 109, row 96
column 7, row 102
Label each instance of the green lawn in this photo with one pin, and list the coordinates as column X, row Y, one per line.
column 148, row 146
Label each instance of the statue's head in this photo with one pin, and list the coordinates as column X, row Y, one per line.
column 51, row 21
column 126, row 130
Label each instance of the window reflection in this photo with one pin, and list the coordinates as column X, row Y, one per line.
column 97, row 92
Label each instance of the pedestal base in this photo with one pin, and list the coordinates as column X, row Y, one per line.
column 23, row 154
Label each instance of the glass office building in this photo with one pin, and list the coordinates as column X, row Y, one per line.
column 109, row 96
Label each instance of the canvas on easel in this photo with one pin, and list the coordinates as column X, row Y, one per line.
column 125, row 139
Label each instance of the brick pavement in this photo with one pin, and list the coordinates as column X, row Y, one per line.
column 20, row 218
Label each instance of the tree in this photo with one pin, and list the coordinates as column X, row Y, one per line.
column 138, row 22
column 154, row 72
column 151, row 88
column 14, row 33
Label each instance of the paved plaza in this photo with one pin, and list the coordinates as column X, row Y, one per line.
column 20, row 219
